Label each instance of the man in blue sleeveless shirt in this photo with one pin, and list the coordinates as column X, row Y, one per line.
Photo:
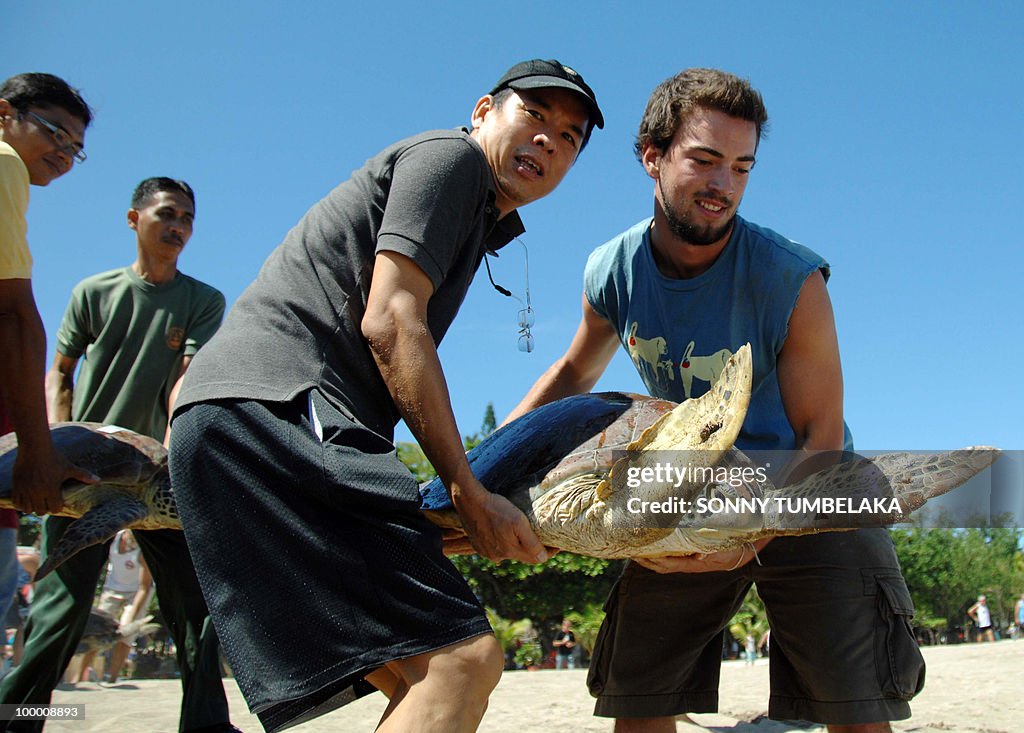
column 681, row 292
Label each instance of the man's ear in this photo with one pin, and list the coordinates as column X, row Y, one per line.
column 483, row 105
column 650, row 156
column 133, row 218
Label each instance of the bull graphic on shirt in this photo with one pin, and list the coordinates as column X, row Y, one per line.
column 650, row 352
column 706, row 368
column 649, row 356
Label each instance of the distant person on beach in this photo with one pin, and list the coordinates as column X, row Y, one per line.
column 750, row 647
column 127, row 589
column 981, row 614
column 565, row 647
column 28, row 565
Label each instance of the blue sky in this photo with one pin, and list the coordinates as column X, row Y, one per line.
column 894, row 151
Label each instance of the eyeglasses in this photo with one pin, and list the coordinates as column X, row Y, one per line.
column 526, row 318
column 64, row 142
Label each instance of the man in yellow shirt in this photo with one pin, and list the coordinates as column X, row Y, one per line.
column 42, row 131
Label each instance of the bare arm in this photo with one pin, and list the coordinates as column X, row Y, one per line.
column 39, row 471
column 395, row 326
column 811, row 385
column 173, row 398
column 141, row 598
column 810, row 373
column 579, row 368
column 60, row 387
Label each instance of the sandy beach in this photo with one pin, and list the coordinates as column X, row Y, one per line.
column 971, row 688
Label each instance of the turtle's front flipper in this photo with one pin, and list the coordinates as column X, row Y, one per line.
column 97, row 525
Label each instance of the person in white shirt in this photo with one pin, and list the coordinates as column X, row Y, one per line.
column 982, row 617
column 126, row 593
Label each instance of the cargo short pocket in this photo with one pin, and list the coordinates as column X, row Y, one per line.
column 898, row 659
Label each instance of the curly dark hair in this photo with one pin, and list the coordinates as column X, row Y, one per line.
column 675, row 99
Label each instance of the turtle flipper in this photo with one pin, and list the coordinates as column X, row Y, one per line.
column 97, row 525
column 908, row 478
column 917, row 478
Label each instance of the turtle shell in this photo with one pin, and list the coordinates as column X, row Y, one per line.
column 119, row 457
column 576, row 435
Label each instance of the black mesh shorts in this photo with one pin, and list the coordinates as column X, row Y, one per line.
column 842, row 651
column 314, row 559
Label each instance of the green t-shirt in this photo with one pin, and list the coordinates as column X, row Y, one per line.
column 133, row 335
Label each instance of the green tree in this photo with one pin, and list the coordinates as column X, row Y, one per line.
column 488, row 426
column 412, row 456
column 510, row 634
column 29, row 528
column 544, row 593
column 750, row 619
column 946, row 569
column 585, row 625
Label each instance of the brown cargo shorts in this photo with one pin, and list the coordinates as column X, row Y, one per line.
column 842, row 650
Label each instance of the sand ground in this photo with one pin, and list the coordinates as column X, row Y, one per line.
column 971, row 688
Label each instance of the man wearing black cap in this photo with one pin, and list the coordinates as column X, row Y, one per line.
column 319, row 571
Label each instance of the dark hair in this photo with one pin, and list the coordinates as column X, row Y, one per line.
column 45, row 90
column 675, row 100
column 501, row 96
column 152, row 186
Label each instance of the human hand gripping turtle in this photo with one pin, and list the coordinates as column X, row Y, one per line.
column 395, row 327
column 39, row 470
column 493, row 527
column 38, row 476
column 700, row 562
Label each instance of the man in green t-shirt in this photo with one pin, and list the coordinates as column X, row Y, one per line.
column 135, row 330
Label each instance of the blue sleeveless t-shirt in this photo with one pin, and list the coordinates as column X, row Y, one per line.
column 680, row 332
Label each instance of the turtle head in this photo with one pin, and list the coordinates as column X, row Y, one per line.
column 695, row 433
column 713, row 421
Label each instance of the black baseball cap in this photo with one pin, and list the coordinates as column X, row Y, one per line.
column 538, row 74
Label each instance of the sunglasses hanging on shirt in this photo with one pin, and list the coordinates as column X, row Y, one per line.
column 525, row 317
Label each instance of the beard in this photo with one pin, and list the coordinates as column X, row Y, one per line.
column 690, row 232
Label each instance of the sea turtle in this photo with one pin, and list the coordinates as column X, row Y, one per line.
column 576, row 467
column 134, row 490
